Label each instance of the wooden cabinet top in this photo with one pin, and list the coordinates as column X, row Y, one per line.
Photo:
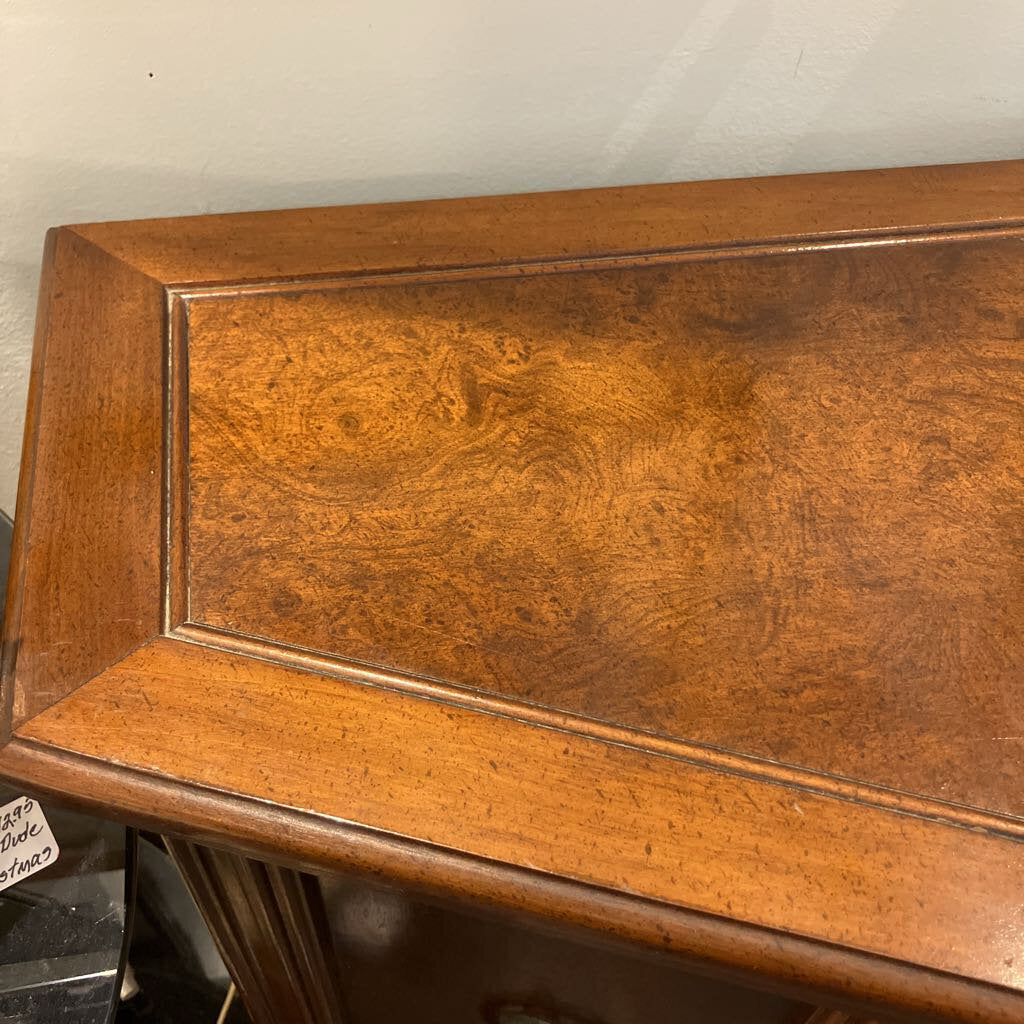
column 651, row 558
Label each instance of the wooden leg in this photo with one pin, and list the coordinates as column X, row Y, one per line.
column 270, row 927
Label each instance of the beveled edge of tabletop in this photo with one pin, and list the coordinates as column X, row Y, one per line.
column 866, row 905
column 779, row 212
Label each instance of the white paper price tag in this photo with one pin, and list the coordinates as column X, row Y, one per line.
column 26, row 842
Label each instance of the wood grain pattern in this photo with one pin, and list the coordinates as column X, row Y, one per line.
column 769, row 504
column 269, row 925
column 646, row 560
column 494, row 788
column 513, row 229
column 85, row 576
column 726, row 947
column 15, row 589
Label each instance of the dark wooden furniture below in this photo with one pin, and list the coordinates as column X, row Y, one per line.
column 643, row 564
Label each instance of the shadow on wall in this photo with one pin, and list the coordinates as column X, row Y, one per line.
column 6, row 534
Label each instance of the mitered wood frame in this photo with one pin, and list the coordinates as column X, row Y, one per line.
column 104, row 675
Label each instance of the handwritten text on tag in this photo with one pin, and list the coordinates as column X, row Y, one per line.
column 26, row 842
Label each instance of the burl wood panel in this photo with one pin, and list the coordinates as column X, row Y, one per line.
column 735, row 463
column 770, row 503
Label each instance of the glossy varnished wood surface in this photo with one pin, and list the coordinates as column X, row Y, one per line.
column 768, row 504
column 516, row 229
column 85, row 586
column 269, row 924
column 676, row 526
column 564, row 805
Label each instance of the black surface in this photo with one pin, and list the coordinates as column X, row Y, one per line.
column 63, row 929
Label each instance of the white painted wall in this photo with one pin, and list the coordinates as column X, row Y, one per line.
column 131, row 108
